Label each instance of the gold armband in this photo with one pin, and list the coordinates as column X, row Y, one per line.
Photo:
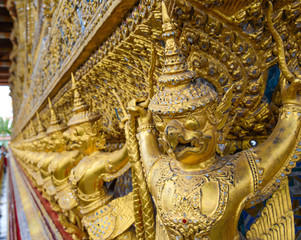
column 146, row 127
column 289, row 108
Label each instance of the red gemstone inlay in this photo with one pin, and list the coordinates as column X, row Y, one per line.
column 184, row 221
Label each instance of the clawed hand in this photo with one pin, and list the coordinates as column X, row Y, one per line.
column 139, row 107
column 136, row 108
column 290, row 92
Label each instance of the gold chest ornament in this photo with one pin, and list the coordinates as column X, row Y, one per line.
column 189, row 204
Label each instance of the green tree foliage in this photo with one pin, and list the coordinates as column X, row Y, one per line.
column 5, row 127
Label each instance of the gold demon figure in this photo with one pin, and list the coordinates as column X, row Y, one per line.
column 79, row 141
column 198, row 194
column 103, row 216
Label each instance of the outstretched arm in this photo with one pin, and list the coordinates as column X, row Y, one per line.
column 274, row 158
column 278, row 151
column 278, row 154
column 117, row 160
column 96, row 167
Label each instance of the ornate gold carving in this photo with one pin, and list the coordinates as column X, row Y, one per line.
column 193, row 149
column 210, row 61
column 277, row 218
column 101, row 222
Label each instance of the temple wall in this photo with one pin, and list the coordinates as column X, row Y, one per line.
column 76, row 67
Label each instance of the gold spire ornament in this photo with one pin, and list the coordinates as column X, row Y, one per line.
column 179, row 93
column 32, row 130
column 81, row 113
column 41, row 129
column 55, row 123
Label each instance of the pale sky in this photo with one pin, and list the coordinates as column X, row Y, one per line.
column 6, row 110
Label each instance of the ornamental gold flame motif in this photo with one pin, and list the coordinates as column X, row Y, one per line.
column 150, row 119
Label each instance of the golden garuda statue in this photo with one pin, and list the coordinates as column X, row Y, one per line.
column 190, row 128
column 198, row 194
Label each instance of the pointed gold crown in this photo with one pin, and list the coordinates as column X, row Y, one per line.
column 81, row 113
column 55, row 123
column 32, row 131
column 41, row 128
column 179, row 92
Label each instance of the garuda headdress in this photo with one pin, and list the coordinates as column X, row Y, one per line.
column 55, row 123
column 81, row 113
column 179, row 92
column 41, row 129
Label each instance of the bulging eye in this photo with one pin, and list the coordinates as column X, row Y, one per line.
column 173, row 128
column 191, row 123
column 170, row 130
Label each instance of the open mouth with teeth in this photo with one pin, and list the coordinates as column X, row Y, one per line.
column 191, row 146
column 73, row 145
